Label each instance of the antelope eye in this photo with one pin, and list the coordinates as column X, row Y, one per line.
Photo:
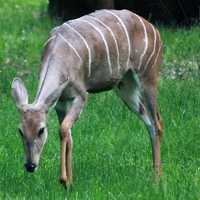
column 41, row 131
column 20, row 132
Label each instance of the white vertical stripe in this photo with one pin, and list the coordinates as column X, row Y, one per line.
column 160, row 45
column 113, row 36
column 51, row 38
column 156, row 59
column 86, row 44
column 145, row 41
column 154, row 48
column 69, row 44
column 126, row 32
column 104, row 40
column 54, row 29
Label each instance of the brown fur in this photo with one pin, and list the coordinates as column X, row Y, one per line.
column 65, row 77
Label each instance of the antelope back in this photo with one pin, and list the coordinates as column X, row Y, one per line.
column 108, row 43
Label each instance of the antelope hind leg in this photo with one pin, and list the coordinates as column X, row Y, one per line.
column 131, row 91
column 156, row 133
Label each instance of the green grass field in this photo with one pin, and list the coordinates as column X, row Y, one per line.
column 112, row 158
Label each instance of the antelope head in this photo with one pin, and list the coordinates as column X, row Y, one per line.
column 33, row 127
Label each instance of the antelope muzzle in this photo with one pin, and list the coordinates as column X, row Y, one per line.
column 30, row 167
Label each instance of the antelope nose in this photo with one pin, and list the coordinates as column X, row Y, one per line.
column 30, row 167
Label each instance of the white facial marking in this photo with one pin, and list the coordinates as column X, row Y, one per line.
column 145, row 41
column 104, row 40
column 69, row 44
column 37, row 147
column 86, row 44
column 126, row 32
column 154, row 48
column 113, row 36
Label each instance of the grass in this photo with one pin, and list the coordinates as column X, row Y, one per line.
column 111, row 148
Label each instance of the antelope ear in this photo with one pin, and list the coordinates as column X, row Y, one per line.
column 51, row 100
column 19, row 92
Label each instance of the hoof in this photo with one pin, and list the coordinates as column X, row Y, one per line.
column 66, row 183
column 157, row 176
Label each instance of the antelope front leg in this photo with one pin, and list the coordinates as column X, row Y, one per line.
column 66, row 140
column 66, row 157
